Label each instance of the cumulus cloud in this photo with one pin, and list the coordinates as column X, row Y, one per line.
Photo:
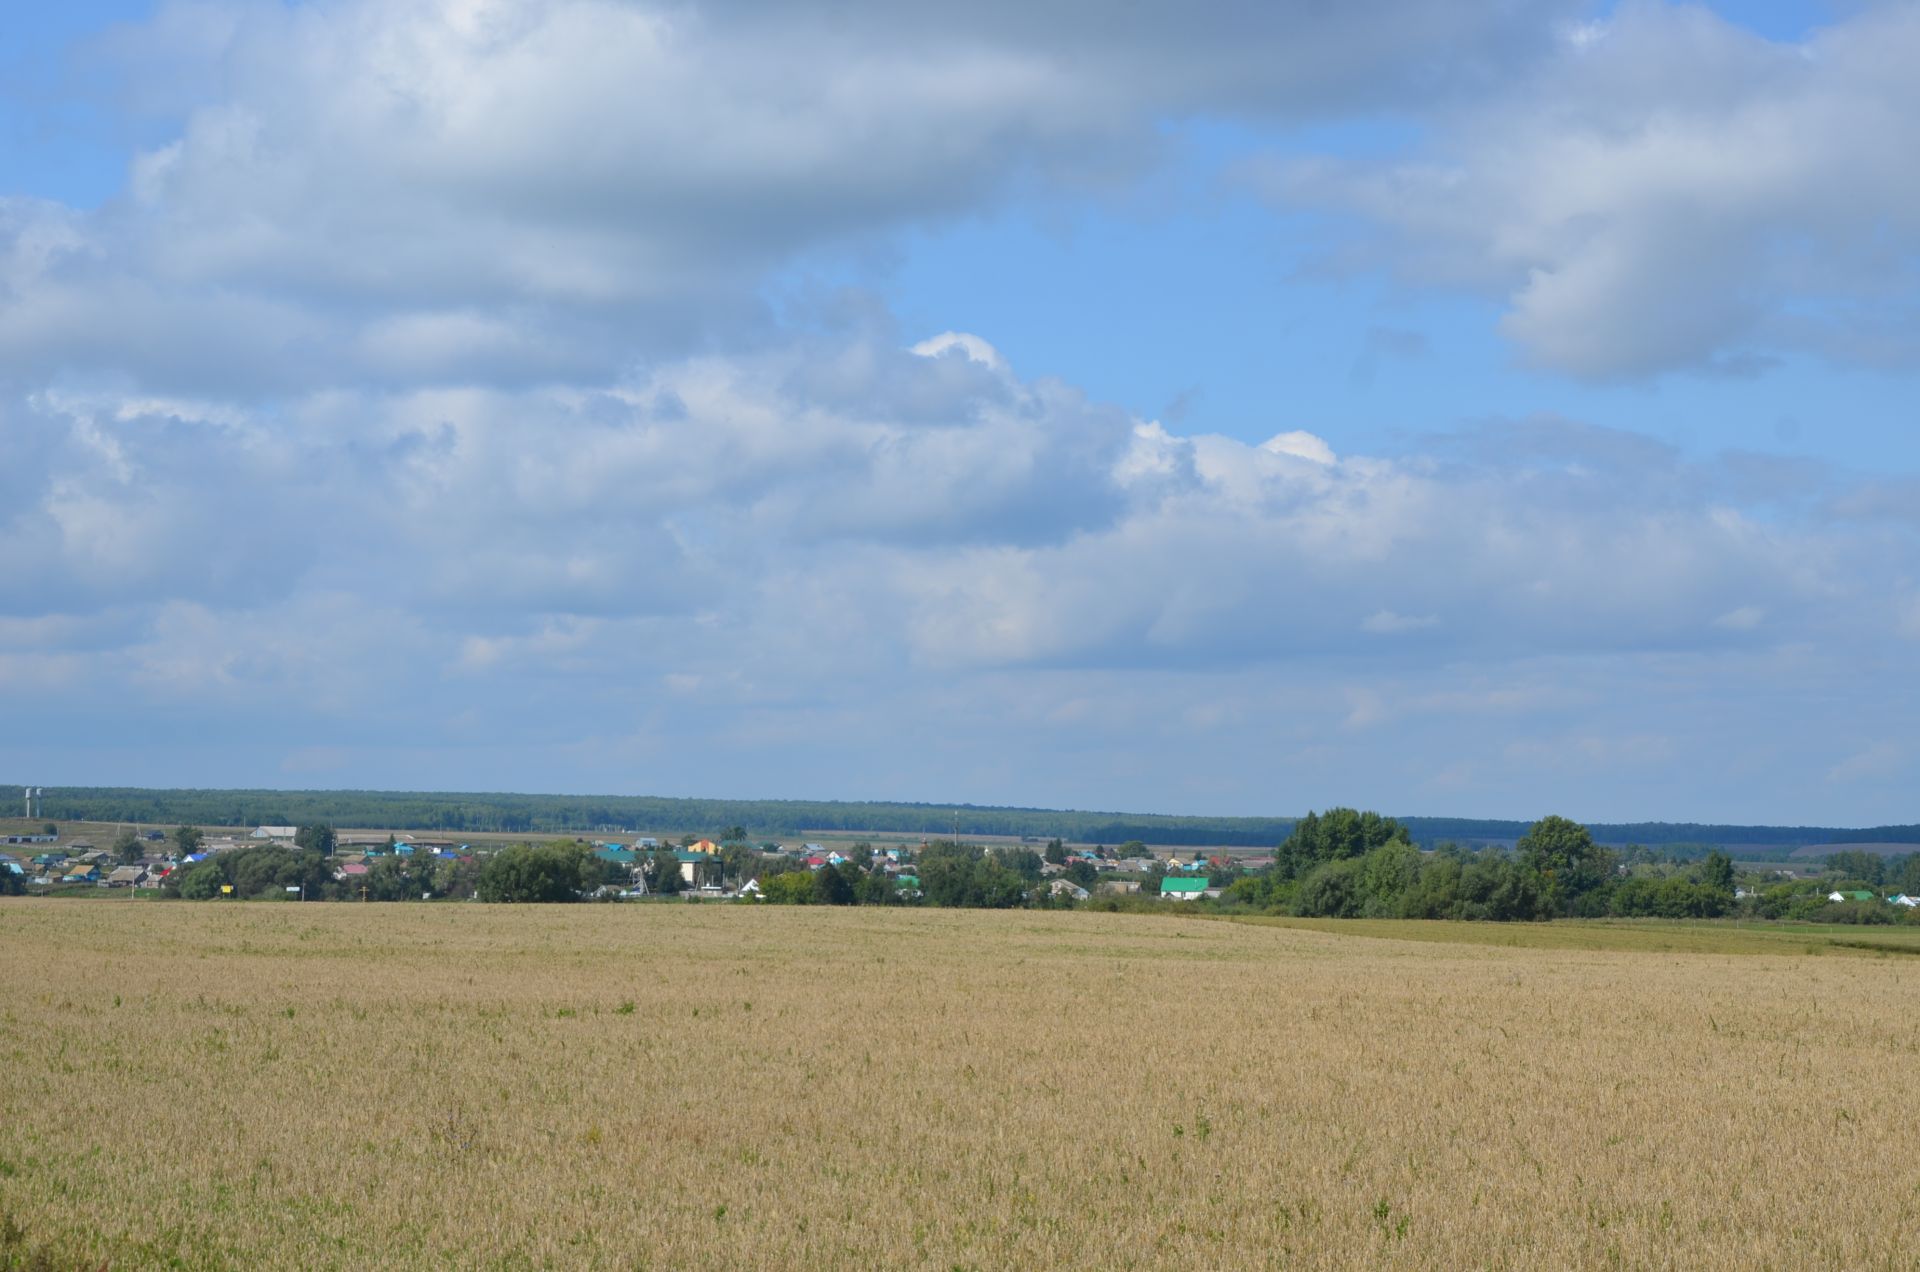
column 1670, row 192
column 416, row 415
column 526, row 191
column 756, row 556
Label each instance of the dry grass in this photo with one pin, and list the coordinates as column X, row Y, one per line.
column 261, row 1086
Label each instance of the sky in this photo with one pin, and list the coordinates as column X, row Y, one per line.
column 1449, row 407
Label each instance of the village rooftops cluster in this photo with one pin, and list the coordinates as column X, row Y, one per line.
column 707, row 869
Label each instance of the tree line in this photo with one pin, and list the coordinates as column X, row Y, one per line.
column 1343, row 863
column 532, row 814
column 1348, row 864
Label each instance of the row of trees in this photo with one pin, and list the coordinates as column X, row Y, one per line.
column 555, row 814
column 1349, row 864
column 269, row 870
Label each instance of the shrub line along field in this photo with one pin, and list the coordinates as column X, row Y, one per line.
column 701, row 1087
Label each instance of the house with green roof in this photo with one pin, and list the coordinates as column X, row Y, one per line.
column 1182, row 888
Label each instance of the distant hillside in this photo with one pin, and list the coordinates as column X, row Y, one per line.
column 554, row 814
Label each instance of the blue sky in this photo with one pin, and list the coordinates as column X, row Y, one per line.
column 1430, row 406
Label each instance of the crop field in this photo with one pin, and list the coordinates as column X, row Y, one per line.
column 683, row 1086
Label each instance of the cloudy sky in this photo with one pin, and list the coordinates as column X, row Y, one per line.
column 1444, row 406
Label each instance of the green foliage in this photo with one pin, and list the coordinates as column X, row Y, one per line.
column 836, row 885
column 550, row 873
column 795, row 887
column 738, row 862
column 197, row 883
column 663, row 872
column 1716, row 873
column 875, row 888
column 11, row 884
column 1672, row 897
column 1336, row 835
column 401, row 878
column 319, row 838
column 259, row 873
column 1332, row 891
column 1024, row 862
column 186, row 839
column 1565, row 861
column 1868, row 868
column 127, row 848
column 958, row 875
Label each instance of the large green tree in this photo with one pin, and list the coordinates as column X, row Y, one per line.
column 663, row 872
column 1335, row 835
column 551, row 872
column 1716, row 872
column 1561, row 854
column 320, row 838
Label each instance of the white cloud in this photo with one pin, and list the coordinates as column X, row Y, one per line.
column 522, row 191
column 416, row 416
column 1672, row 192
column 1301, row 445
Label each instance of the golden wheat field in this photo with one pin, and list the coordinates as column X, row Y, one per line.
column 682, row 1086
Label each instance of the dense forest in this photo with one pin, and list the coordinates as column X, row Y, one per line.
column 552, row 814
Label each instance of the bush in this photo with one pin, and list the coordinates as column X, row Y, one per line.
column 1332, row 891
column 794, row 887
column 556, row 872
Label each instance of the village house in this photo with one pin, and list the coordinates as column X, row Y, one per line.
column 1179, row 888
column 696, row 867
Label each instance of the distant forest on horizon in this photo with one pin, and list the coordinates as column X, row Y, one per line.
column 515, row 813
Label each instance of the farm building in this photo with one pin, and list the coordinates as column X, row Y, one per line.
column 697, row 867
